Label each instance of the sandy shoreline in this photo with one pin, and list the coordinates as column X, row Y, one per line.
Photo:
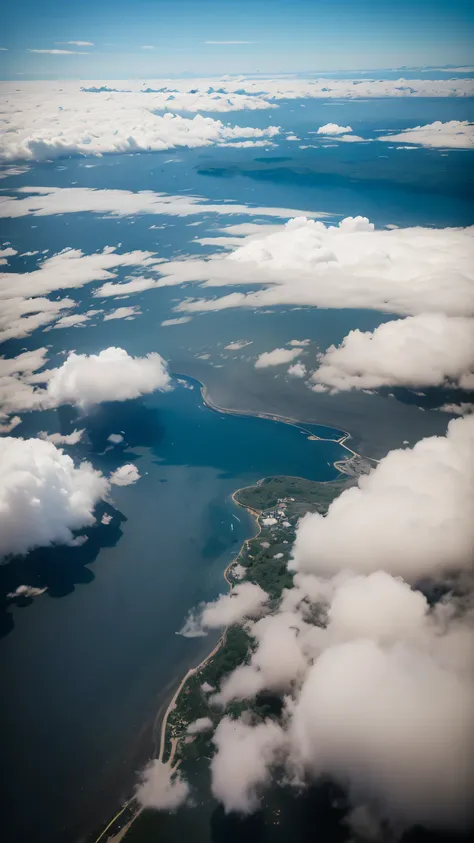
column 221, row 641
column 121, row 834
column 256, row 515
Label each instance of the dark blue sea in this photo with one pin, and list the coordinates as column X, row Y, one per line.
column 90, row 663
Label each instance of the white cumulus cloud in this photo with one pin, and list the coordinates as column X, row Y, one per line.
column 243, row 761
column 246, row 600
column 52, row 120
column 160, row 788
column 411, row 514
column 455, row 134
column 426, row 350
column 44, row 496
column 62, row 438
column 277, row 357
column 125, row 475
column 202, row 724
column 111, row 375
column 297, row 370
column 333, row 129
column 307, row 263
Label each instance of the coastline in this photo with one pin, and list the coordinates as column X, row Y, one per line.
column 300, row 425
column 116, row 838
column 215, row 649
column 161, row 746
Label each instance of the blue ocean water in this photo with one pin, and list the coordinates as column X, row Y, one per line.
column 91, row 661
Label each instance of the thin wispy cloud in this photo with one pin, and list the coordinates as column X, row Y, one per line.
column 77, row 43
column 3, row 49
column 147, row 47
column 230, row 42
column 60, row 52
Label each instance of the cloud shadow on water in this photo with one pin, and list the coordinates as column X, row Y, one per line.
column 58, row 568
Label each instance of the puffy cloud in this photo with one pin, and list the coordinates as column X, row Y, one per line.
column 376, row 606
column 202, row 724
column 43, row 495
column 393, row 725
column 5, row 254
column 111, row 375
column 10, row 425
column 48, row 119
column 376, row 680
column 333, row 129
column 246, row 600
column 161, row 788
column 125, row 475
column 426, row 350
column 83, row 379
column 277, row 357
column 405, row 271
column 115, row 438
column 379, row 696
column 274, row 665
column 411, row 515
column 122, row 313
column 455, row 134
column 297, row 370
column 242, row 763
column 62, row 439
column 297, row 88
column 59, row 120
column 299, row 342
column 462, row 409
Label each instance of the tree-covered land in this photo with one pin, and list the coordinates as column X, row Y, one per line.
column 279, row 502
column 312, row 496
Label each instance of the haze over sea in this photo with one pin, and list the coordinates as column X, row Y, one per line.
column 95, row 657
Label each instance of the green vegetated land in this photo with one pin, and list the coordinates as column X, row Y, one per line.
column 264, row 559
column 308, row 495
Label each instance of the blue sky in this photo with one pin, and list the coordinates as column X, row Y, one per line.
column 274, row 35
